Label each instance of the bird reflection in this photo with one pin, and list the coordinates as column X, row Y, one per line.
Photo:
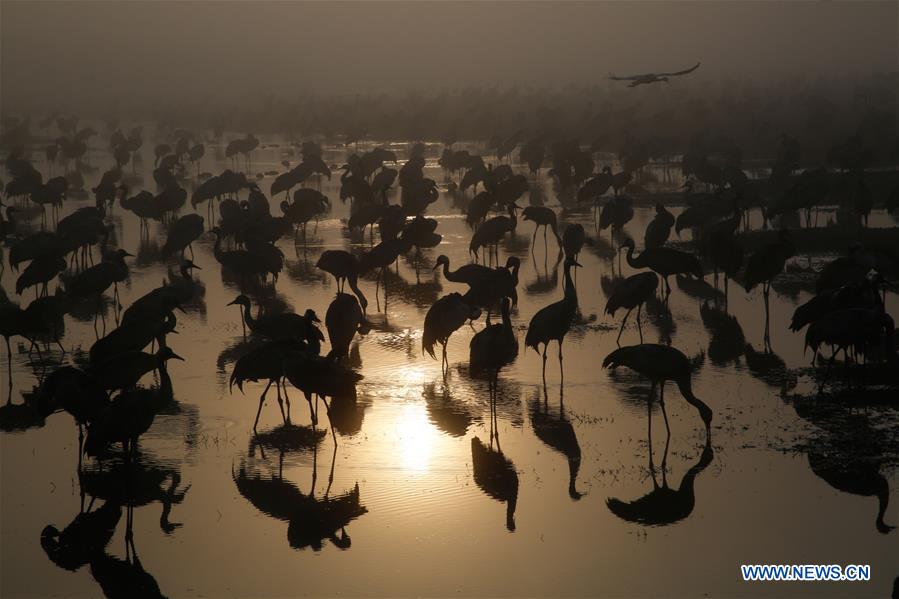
column 448, row 415
column 769, row 368
column 495, row 475
column 848, row 454
column 146, row 481
column 310, row 520
column 124, row 577
column 422, row 294
column 548, row 280
column 555, row 430
column 85, row 537
column 726, row 343
column 699, row 289
column 663, row 505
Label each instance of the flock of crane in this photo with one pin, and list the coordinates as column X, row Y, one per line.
column 848, row 312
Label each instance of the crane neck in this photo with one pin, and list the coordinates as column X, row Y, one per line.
column 631, row 261
column 570, row 291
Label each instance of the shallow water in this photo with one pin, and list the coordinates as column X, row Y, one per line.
column 220, row 513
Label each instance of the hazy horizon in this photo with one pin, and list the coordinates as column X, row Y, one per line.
column 77, row 53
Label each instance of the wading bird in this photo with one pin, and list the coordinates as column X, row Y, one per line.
column 553, row 322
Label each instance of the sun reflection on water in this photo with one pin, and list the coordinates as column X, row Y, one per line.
column 416, row 438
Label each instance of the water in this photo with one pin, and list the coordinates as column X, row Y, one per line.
column 219, row 513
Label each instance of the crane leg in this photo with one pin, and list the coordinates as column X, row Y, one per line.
column 652, row 390
column 545, row 346
column 280, row 401
column 621, row 330
column 639, row 326
column 286, row 398
column 664, row 413
column 261, row 401
column 561, row 369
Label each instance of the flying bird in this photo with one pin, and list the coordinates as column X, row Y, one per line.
column 645, row 78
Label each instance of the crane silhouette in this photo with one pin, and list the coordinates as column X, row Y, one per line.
column 544, row 217
column 281, row 326
column 663, row 261
column 553, row 322
column 345, row 268
column 264, row 362
column 647, row 78
column 181, row 236
column 632, row 293
column 659, row 228
column 766, row 264
column 444, row 318
column 343, row 320
column 492, row 348
column 660, row 363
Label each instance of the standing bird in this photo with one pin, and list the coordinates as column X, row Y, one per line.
column 491, row 232
column 663, row 261
column 766, row 264
column 286, row 325
column 126, row 369
column 264, row 363
column 553, row 322
column 345, row 268
column 40, row 271
column 659, row 228
column 182, row 234
column 494, row 347
column 444, row 318
column 343, row 320
column 660, row 363
column 544, row 217
column 724, row 250
column 632, row 293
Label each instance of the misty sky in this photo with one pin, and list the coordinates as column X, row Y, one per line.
column 84, row 50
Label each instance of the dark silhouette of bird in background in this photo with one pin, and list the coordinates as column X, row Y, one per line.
column 659, row 228
column 544, row 217
column 286, row 325
column 766, row 264
column 647, row 78
column 181, row 236
column 632, row 293
column 573, row 238
column 663, row 261
column 345, row 268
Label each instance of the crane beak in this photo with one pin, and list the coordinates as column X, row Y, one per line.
column 576, row 263
column 177, row 357
column 129, row 254
column 231, row 303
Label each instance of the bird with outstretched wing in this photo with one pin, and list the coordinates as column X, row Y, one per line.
column 636, row 80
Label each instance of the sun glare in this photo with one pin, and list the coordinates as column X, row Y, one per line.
column 416, row 436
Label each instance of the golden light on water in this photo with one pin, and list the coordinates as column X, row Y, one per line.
column 416, row 438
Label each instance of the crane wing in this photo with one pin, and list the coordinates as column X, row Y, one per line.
column 684, row 72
